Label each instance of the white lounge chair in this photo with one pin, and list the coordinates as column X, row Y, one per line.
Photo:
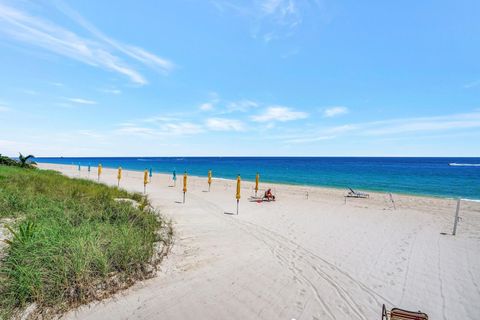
column 354, row 194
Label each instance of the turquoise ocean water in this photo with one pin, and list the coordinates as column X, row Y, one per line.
column 445, row 177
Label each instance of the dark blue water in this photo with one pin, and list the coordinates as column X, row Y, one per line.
column 422, row 176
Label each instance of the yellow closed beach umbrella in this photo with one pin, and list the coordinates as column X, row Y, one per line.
column 209, row 179
column 184, row 185
column 238, row 191
column 145, row 180
column 119, row 176
column 99, row 170
column 257, row 178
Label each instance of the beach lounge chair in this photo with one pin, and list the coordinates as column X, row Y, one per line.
column 267, row 197
column 400, row 314
column 354, row 194
column 259, row 199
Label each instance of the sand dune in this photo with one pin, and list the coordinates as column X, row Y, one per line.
column 308, row 255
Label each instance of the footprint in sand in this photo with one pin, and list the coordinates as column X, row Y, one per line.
column 299, row 305
column 303, row 292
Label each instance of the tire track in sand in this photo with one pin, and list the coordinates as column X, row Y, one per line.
column 306, row 264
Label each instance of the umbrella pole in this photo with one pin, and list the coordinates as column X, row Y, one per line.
column 237, row 207
column 456, row 217
column 184, row 197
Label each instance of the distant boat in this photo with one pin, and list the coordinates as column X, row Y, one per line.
column 453, row 164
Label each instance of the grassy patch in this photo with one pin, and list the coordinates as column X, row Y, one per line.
column 72, row 241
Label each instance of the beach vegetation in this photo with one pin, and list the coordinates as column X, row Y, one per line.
column 26, row 160
column 70, row 241
column 23, row 161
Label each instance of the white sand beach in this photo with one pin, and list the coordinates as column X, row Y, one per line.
column 315, row 257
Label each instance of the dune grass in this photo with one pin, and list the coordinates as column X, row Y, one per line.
column 72, row 241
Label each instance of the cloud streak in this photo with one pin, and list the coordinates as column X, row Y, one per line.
column 81, row 101
column 391, row 127
column 35, row 31
column 111, row 91
column 423, row 124
column 272, row 19
column 134, row 52
column 207, row 106
column 334, row 111
column 222, row 124
column 472, row 84
column 279, row 113
column 242, row 105
column 158, row 128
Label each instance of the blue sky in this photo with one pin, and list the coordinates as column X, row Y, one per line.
column 240, row 77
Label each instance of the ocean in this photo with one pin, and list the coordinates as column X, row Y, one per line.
column 444, row 177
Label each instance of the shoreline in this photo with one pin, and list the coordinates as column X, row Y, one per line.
column 380, row 200
column 286, row 184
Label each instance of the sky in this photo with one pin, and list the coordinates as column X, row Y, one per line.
column 240, row 78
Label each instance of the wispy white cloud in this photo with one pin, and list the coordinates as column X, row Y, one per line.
column 56, row 84
column 282, row 8
column 137, row 131
column 229, row 5
column 472, row 84
column 207, row 106
column 423, row 124
column 35, row 31
column 285, row 14
column 81, row 101
column 65, row 105
column 241, row 105
column 146, row 57
column 291, row 53
column 90, row 134
column 222, row 124
column 279, row 113
column 182, row 128
column 334, row 111
column 134, row 52
column 341, row 129
column 272, row 19
column 160, row 119
column 111, row 91
column 29, row 92
column 309, row 139
column 402, row 128
column 159, row 129
column 210, row 105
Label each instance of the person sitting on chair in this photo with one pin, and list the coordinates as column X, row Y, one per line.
column 269, row 195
